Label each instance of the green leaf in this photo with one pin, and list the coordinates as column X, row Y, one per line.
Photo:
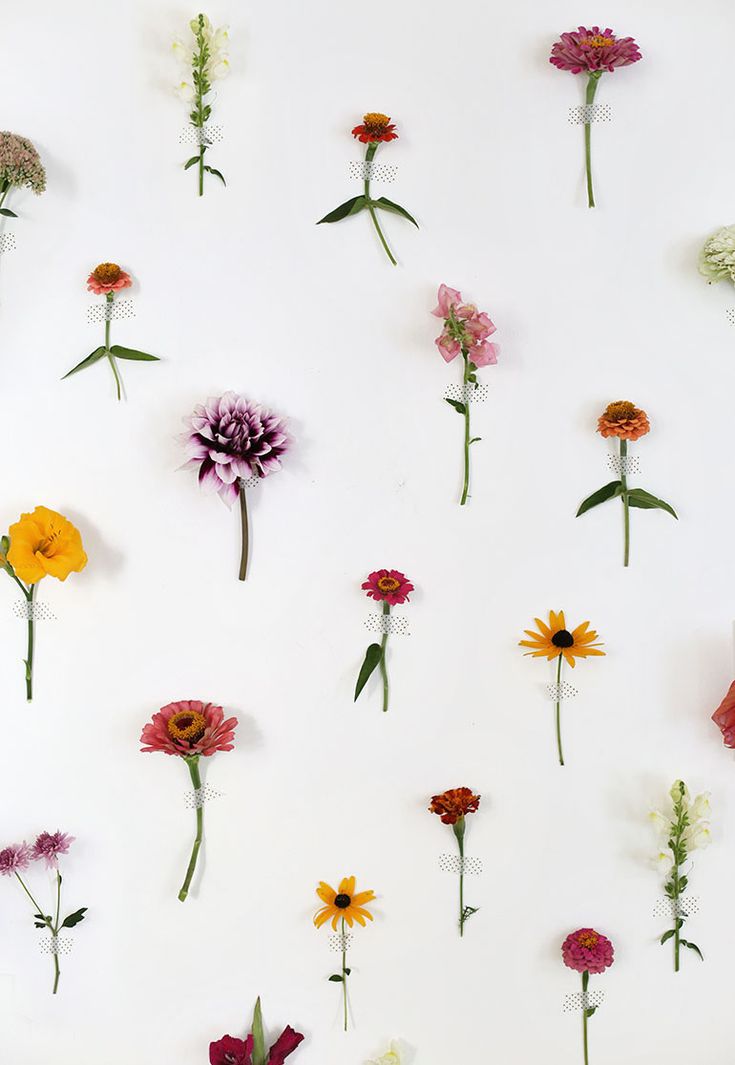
column 692, row 946
column 475, row 439
column 74, row 918
column 336, row 979
column 258, row 1053
column 468, row 911
column 591, row 1011
column 459, row 407
column 190, row 162
column 667, row 935
column 396, row 208
column 132, row 355
column 373, row 656
column 7, row 212
column 353, row 206
column 638, row 497
column 89, row 361
column 608, row 491
column 211, row 170
column 347, row 972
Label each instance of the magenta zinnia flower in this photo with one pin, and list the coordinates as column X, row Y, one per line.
column 228, row 438
column 587, row 951
column 593, row 49
column 388, row 586
column 14, row 857
column 189, row 727
column 49, row 846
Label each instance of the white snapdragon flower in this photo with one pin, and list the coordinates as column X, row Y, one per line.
column 661, row 824
column 185, row 91
column 664, row 860
column 701, row 807
column 221, row 39
column 182, row 52
column 391, row 1057
column 698, row 837
column 219, row 69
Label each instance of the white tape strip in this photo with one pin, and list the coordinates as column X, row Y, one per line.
column 589, row 113
column 467, row 393
column 341, row 941
column 32, row 611
column 196, row 135
column 452, row 863
column 626, row 465
column 583, row 1000
column 368, row 171
column 684, row 906
column 388, row 624
column 556, row 692
column 249, row 482
column 729, row 314
column 197, row 798
column 106, row 312
column 56, row 945
column 7, row 242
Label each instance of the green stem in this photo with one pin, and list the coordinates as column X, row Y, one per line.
column 193, row 764
column 458, row 828
column 383, row 664
column 200, row 61
column 31, row 634
column 466, row 401
column 369, row 154
column 344, row 973
column 589, row 100
column 53, row 930
column 626, row 503
column 558, row 710
column 111, row 358
column 5, row 189
column 245, row 533
column 585, row 985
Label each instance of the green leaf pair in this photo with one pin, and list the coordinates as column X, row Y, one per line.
column 337, row 979
column 636, row 497
column 118, row 351
column 360, row 203
column 373, row 656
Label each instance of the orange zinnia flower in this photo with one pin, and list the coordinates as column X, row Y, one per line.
column 554, row 640
column 622, row 418
column 376, row 127
column 343, row 905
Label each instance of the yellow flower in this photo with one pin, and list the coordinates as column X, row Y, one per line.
column 555, row 639
column 343, row 904
column 45, row 543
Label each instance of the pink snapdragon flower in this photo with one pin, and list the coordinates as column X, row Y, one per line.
column 48, row 847
column 465, row 329
column 587, row 951
column 14, row 857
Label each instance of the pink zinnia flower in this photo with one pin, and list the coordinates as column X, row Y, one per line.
column 587, row 951
column 189, row 727
column 228, row 438
column 108, row 277
column 593, row 49
column 724, row 717
column 388, row 586
column 16, row 856
column 49, row 846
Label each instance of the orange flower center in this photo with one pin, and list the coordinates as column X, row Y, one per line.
column 597, row 41
column 46, row 547
column 588, row 939
column 388, row 584
column 620, row 411
column 187, row 725
column 375, row 122
column 107, row 273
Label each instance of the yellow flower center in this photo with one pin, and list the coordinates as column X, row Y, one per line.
column 597, row 41
column 588, row 939
column 375, row 122
column 107, row 273
column 187, row 725
column 620, row 411
column 388, row 584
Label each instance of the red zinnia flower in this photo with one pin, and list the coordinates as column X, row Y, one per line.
column 388, row 586
column 375, row 128
column 188, row 728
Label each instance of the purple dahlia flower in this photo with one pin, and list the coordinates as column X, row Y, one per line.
column 229, row 438
column 48, row 847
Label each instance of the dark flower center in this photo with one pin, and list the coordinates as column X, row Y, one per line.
column 107, row 273
column 562, row 638
column 187, row 725
column 388, row 584
column 342, row 902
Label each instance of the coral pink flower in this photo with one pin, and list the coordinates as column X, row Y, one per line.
column 49, row 846
column 16, row 856
column 724, row 717
column 189, row 727
column 388, row 586
column 447, row 299
column 108, row 277
column 464, row 327
column 587, row 951
column 593, row 49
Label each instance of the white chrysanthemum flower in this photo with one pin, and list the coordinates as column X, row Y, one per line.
column 701, row 807
column 717, row 257
column 185, row 91
column 391, row 1057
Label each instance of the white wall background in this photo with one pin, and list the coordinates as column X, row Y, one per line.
column 243, row 291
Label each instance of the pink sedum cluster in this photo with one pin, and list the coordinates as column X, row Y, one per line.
column 20, row 164
column 593, row 50
column 465, row 328
column 587, row 951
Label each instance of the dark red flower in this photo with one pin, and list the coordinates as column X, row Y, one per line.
column 724, row 717
column 231, row 1051
column 454, row 804
column 375, row 128
column 286, row 1043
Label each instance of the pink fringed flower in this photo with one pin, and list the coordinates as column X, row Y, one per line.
column 593, row 49
column 228, row 440
column 48, row 847
column 190, row 729
column 587, row 951
column 15, row 857
column 108, row 277
column 466, row 331
column 388, row 586
column 391, row 588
